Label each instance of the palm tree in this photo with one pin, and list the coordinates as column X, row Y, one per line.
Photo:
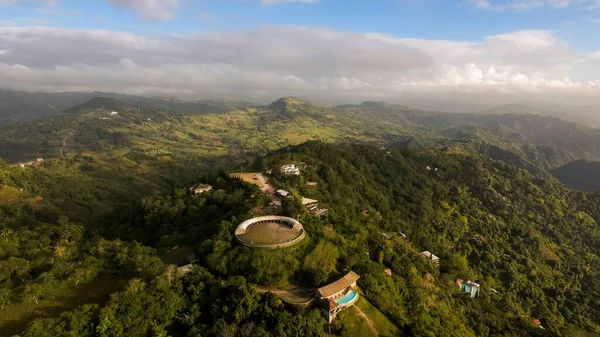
column 6, row 233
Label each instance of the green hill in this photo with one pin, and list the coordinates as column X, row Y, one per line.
column 532, row 240
column 580, row 174
column 22, row 105
column 536, row 143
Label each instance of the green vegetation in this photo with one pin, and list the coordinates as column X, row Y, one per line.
column 532, row 240
column 580, row 174
column 349, row 324
column 21, row 105
column 115, row 198
column 153, row 134
column 382, row 324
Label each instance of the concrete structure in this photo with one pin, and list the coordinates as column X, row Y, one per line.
column 185, row 269
column 308, row 201
column 290, row 169
column 431, row 257
column 316, row 210
column 270, row 232
column 283, row 193
column 200, row 188
column 36, row 163
column 468, row 287
column 338, row 295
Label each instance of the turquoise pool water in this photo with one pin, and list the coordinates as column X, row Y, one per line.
column 349, row 297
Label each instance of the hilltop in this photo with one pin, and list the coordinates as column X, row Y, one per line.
column 536, row 143
column 488, row 222
column 22, row 105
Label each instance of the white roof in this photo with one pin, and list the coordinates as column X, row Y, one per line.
column 283, row 192
column 429, row 255
column 306, row 201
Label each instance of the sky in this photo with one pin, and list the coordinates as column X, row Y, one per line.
column 479, row 51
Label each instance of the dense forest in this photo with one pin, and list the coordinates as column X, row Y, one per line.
column 160, row 130
column 68, row 227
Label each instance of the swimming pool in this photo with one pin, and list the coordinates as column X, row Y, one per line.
column 349, row 297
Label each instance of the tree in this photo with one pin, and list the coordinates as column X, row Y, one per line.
column 5, row 296
column 33, row 292
column 7, row 233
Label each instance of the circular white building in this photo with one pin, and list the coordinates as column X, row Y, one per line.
column 270, row 232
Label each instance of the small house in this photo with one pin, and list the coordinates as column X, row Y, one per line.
column 431, row 257
column 388, row 272
column 200, row 188
column 283, row 193
column 290, row 169
column 312, row 183
column 468, row 287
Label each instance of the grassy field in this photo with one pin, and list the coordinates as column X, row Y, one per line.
column 269, row 233
column 15, row 317
column 383, row 325
column 348, row 323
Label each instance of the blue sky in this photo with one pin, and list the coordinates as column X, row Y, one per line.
column 322, row 48
column 431, row 19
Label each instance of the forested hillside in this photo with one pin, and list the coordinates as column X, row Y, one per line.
column 536, row 143
column 22, row 105
column 580, row 174
column 530, row 242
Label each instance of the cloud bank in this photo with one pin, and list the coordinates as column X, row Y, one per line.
column 150, row 10
column 527, row 5
column 274, row 61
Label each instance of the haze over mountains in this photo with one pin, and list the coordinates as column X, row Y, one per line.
column 60, row 125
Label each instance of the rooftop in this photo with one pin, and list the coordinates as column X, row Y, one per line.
column 307, row 201
column 339, row 285
column 202, row 186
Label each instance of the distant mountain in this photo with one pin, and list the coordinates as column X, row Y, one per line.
column 580, row 174
column 108, row 125
column 97, row 103
column 586, row 115
column 515, row 109
column 21, row 105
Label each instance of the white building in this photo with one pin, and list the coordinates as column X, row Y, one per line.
column 290, row 169
column 283, row 193
column 431, row 257
column 200, row 188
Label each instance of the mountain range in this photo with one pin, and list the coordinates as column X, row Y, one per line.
column 22, row 105
column 157, row 127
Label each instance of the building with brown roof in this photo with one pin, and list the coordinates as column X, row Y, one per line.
column 338, row 295
column 200, row 188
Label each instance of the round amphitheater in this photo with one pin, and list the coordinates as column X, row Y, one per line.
column 270, row 232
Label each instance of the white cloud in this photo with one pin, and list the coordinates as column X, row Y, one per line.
column 274, row 2
column 285, row 60
column 9, row 3
column 59, row 12
column 150, row 10
column 525, row 5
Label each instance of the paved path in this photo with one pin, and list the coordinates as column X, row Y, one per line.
column 368, row 319
column 295, row 295
column 62, row 149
